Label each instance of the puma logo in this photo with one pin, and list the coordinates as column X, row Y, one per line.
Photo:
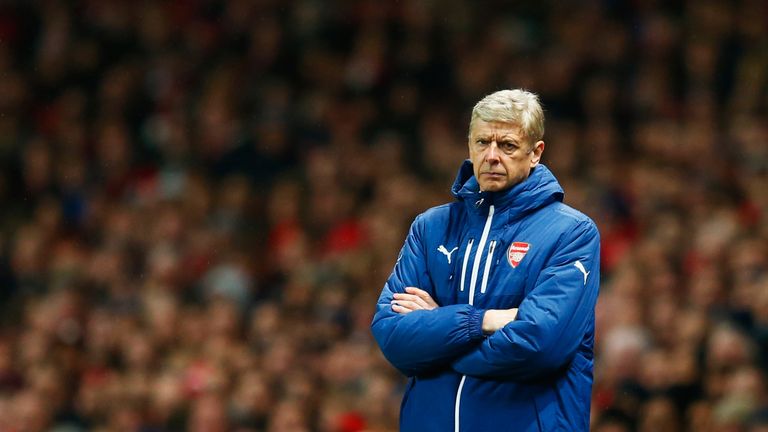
column 581, row 268
column 445, row 252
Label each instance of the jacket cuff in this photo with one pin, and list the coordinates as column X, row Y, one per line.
column 475, row 323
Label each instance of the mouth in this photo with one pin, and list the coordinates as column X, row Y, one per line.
column 492, row 174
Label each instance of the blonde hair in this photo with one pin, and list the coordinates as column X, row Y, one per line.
column 519, row 107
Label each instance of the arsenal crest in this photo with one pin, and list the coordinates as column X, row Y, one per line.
column 516, row 253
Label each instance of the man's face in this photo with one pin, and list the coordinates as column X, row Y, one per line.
column 501, row 155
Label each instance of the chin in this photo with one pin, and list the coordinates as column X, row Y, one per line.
column 493, row 187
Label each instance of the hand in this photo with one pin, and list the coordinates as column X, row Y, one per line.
column 495, row 319
column 413, row 299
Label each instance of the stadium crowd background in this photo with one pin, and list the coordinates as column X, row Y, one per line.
column 201, row 200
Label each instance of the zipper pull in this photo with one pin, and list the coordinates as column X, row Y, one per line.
column 464, row 265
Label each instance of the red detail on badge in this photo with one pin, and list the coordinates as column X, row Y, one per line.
column 517, row 251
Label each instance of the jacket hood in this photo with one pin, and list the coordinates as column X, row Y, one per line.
column 538, row 190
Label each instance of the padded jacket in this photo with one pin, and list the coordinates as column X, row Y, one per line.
column 519, row 248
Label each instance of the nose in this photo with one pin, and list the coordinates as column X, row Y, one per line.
column 492, row 153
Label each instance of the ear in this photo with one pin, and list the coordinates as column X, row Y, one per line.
column 538, row 150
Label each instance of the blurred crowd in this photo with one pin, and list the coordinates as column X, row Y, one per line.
column 201, row 200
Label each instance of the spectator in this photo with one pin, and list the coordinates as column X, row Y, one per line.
column 165, row 164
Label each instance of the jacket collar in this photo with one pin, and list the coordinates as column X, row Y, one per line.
column 538, row 190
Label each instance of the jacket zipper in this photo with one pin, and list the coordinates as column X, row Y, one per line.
column 488, row 260
column 480, row 248
column 473, row 281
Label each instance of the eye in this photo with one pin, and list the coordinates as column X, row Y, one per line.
column 508, row 146
column 482, row 141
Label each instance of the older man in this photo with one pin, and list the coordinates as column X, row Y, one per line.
column 490, row 307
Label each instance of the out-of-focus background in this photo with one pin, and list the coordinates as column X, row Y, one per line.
column 201, row 199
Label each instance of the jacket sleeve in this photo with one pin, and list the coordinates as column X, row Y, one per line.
column 421, row 341
column 553, row 318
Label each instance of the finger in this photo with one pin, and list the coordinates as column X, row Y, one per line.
column 428, row 300
column 420, row 293
column 416, row 291
column 409, row 304
column 412, row 298
column 399, row 309
column 402, row 303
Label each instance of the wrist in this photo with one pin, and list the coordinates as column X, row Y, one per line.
column 488, row 327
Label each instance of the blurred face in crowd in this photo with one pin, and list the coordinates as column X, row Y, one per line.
column 501, row 154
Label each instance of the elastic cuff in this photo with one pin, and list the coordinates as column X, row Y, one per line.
column 475, row 323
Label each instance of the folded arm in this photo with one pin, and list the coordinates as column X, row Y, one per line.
column 552, row 320
column 416, row 339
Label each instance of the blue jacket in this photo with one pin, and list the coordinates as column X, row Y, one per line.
column 519, row 248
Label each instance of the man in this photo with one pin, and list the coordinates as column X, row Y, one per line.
column 490, row 307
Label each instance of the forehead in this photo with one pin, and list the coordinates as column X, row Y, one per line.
column 496, row 128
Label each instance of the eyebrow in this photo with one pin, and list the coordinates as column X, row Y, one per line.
column 508, row 138
column 498, row 138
